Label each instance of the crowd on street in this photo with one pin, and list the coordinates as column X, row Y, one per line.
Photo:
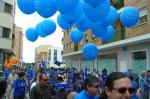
column 71, row 83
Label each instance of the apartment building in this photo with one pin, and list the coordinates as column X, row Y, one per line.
column 7, row 12
column 130, row 48
column 49, row 53
column 18, row 43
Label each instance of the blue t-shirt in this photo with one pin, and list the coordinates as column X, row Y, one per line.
column 7, row 72
column 142, row 81
column 52, row 81
column 19, row 87
column 146, row 87
column 73, row 75
column 128, row 73
column 59, row 86
column 134, row 96
column 83, row 95
column 104, row 76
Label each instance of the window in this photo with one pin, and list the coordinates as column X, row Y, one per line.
column 8, row 8
column 49, row 56
column 71, row 45
column 81, row 42
column 75, row 46
column 143, row 15
column 2, row 5
column 55, row 54
column 139, row 55
column 118, row 4
column 86, row 37
column 5, row 7
column 1, row 31
column 6, row 32
column 143, row 11
column 139, row 61
column 67, row 46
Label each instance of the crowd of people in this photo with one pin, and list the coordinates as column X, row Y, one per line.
column 66, row 83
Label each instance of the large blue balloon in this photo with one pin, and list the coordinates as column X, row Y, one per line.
column 76, row 35
column 65, row 6
column 26, row 6
column 83, row 23
column 98, row 29
column 45, row 8
column 62, row 23
column 129, row 16
column 74, row 15
column 108, row 36
column 90, row 51
column 112, row 16
column 48, row 26
column 39, row 30
column 94, row 3
column 31, row 34
column 97, row 13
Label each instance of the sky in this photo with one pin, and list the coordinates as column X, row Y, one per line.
column 25, row 21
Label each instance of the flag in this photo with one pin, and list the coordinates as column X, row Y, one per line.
column 57, row 63
column 43, row 63
column 40, row 65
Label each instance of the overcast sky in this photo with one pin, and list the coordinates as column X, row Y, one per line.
column 26, row 21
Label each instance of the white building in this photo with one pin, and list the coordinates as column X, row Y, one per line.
column 54, row 54
column 49, row 53
column 7, row 12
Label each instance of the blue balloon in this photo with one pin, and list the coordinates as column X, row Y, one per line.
column 98, row 28
column 108, row 36
column 74, row 15
column 90, row 51
column 112, row 16
column 94, row 3
column 45, row 8
column 31, row 34
column 97, row 13
column 26, row 6
column 76, row 35
column 83, row 23
column 39, row 30
column 65, row 6
column 48, row 26
column 62, row 23
column 129, row 16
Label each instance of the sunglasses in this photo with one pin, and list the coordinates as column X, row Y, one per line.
column 123, row 90
column 45, row 79
column 96, row 86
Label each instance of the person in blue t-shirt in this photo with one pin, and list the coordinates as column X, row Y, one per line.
column 142, row 84
column 91, row 89
column 134, row 85
column 19, row 87
column 147, row 85
column 104, row 74
column 60, row 84
column 7, row 72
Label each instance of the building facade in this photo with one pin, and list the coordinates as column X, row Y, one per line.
column 130, row 48
column 7, row 12
column 18, row 43
column 49, row 53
